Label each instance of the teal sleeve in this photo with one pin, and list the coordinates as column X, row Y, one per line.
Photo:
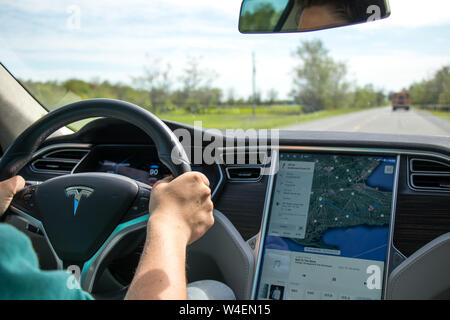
column 20, row 276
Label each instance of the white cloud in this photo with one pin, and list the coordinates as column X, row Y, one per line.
column 395, row 71
column 411, row 14
column 419, row 13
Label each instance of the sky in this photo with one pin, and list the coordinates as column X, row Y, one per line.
column 115, row 40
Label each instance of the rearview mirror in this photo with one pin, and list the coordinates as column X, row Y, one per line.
column 275, row 16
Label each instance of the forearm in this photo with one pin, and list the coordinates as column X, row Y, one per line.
column 161, row 273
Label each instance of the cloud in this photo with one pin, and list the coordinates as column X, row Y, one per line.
column 419, row 13
column 396, row 70
column 411, row 14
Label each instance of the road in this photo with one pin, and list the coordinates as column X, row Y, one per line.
column 381, row 120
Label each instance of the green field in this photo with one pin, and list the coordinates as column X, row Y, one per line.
column 241, row 118
column 441, row 114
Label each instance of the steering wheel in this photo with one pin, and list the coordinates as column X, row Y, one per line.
column 83, row 216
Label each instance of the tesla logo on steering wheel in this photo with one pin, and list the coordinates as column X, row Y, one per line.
column 78, row 193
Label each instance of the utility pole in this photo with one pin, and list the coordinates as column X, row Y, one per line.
column 254, row 85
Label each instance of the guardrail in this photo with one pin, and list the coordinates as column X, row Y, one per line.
column 434, row 107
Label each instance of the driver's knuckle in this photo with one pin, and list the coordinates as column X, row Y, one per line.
column 209, row 206
column 196, row 177
column 206, row 190
column 211, row 221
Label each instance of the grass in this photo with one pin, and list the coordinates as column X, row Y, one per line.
column 241, row 118
column 264, row 119
column 440, row 114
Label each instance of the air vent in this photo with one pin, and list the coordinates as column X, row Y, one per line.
column 61, row 161
column 244, row 173
column 53, row 165
column 432, row 182
column 244, row 158
column 426, row 165
column 429, row 175
column 67, row 154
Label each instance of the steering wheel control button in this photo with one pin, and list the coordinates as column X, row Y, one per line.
column 143, row 204
column 34, row 229
column 27, row 197
column 143, row 200
column 24, row 200
column 140, row 205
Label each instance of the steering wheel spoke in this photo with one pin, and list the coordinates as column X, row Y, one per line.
column 92, row 267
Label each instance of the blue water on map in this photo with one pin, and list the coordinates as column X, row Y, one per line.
column 360, row 242
column 380, row 179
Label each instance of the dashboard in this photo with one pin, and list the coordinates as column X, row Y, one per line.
column 399, row 190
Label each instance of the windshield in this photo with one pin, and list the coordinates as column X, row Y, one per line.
column 186, row 61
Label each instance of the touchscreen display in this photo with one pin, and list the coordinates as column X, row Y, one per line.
column 328, row 228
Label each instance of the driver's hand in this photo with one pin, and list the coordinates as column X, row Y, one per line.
column 184, row 204
column 8, row 189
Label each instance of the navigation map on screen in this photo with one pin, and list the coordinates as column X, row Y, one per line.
column 328, row 227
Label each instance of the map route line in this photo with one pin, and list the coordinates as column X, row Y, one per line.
column 346, row 212
column 368, row 251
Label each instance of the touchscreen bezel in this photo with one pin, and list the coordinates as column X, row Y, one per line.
column 323, row 150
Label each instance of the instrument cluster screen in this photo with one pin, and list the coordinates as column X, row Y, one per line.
column 136, row 166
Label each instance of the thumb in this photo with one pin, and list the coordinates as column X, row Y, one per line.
column 167, row 179
column 8, row 189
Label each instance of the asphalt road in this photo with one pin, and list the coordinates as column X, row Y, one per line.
column 381, row 120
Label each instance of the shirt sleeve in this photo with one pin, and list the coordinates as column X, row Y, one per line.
column 21, row 277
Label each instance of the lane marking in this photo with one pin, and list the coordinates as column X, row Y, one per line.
column 358, row 127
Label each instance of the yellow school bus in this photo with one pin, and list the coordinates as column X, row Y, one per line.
column 401, row 100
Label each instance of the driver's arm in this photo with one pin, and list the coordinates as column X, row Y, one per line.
column 180, row 213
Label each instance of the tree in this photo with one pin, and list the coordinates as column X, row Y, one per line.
column 260, row 18
column 367, row 97
column 231, row 97
column 254, row 98
column 433, row 91
column 197, row 92
column 157, row 81
column 272, row 96
column 319, row 81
